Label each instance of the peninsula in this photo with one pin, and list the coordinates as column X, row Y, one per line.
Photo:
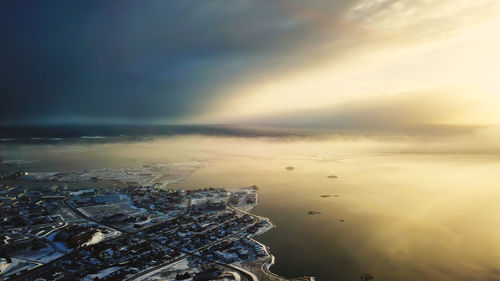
column 129, row 231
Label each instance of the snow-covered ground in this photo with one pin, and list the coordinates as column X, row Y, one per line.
column 17, row 265
column 3, row 264
column 53, row 250
column 43, row 256
column 92, row 137
column 101, row 274
column 245, row 193
column 80, row 192
column 101, row 236
column 168, row 272
column 17, row 162
column 157, row 174
column 104, row 210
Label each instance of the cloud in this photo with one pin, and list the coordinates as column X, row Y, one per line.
column 129, row 60
column 175, row 61
column 426, row 112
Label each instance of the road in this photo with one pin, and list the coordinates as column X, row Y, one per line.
column 38, row 270
column 244, row 273
column 266, row 265
column 192, row 253
column 142, row 273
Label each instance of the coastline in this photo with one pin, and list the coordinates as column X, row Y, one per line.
column 270, row 259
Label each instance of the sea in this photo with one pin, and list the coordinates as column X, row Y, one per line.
column 344, row 203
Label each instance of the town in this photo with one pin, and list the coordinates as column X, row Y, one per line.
column 130, row 232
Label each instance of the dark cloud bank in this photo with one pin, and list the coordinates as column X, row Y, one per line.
column 127, row 62
column 95, row 62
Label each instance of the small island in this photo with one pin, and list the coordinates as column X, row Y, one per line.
column 290, row 168
column 329, row 195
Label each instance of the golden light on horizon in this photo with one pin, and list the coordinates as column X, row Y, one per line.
column 465, row 58
column 354, row 139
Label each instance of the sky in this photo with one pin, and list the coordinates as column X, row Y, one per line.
column 332, row 64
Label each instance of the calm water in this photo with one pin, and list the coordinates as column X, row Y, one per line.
column 407, row 216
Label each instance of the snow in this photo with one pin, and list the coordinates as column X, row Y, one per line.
column 156, row 174
column 101, row 274
column 3, row 265
column 96, row 238
column 16, row 266
column 61, row 247
column 80, row 192
column 102, row 210
column 101, row 236
column 178, row 267
column 264, row 229
column 48, row 258
column 236, row 276
column 18, row 162
column 91, row 137
column 53, row 251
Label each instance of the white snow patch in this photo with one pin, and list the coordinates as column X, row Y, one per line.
column 101, row 274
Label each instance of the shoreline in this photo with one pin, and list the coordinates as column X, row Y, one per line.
column 270, row 260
